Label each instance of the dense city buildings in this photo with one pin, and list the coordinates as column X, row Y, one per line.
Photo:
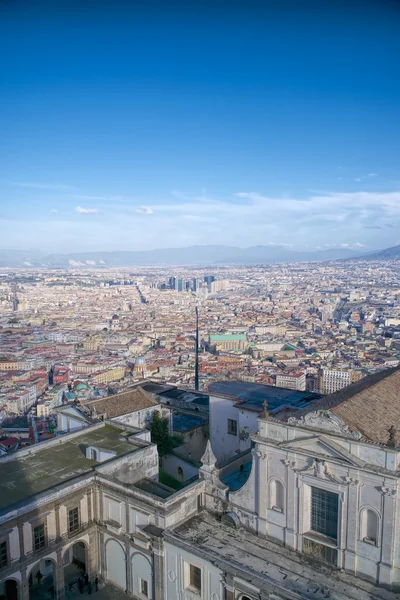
column 288, row 449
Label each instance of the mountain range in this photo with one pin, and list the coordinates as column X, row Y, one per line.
column 200, row 255
column 392, row 253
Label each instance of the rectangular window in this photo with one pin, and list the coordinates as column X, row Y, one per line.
column 39, row 537
column 195, row 577
column 73, row 520
column 3, row 555
column 324, row 512
column 232, row 426
column 144, row 587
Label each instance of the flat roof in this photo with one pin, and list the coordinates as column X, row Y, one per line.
column 237, row 478
column 182, row 422
column 252, row 395
column 49, row 464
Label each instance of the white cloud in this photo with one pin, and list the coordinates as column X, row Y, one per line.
column 145, row 210
column 53, row 210
column 354, row 245
column 279, row 244
column 366, row 176
column 88, row 211
column 248, row 219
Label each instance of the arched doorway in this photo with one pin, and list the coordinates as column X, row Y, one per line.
column 75, row 561
column 9, row 590
column 42, row 584
column 180, row 474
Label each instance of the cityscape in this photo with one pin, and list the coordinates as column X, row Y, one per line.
column 200, row 300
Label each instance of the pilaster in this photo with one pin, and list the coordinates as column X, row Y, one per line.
column 24, row 585
column 158, row 569
column 59, row 583
column 385, row 566
column 291, row 505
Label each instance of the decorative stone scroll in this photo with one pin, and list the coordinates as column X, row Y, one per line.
column 324, row 420
column 262, row 455
column 388, row 491
column 319, row 468
column 352, row 481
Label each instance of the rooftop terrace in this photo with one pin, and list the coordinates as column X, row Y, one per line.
column 252, row 395
column 270, row 565
column 32, row 471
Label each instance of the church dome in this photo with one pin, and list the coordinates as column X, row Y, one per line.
column 140, row 361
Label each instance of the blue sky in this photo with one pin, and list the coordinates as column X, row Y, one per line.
column 125, row 127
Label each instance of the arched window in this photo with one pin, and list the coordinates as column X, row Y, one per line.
column 276, row 495
column 369, row 526
column 93, row 454
column 179, row 473
column 231, row 519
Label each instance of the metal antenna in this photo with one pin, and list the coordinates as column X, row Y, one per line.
column 196, row 367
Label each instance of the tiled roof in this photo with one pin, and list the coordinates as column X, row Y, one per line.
column 370, row 405
column 121, row 404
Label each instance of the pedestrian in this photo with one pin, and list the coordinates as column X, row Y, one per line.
column 80, row 585
column 96, row 584
column 86, row 578
column 89, row 588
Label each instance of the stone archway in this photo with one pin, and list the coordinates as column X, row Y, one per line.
column 115, row 563
column 9, row 590
column 42, row 580
column 75, row 563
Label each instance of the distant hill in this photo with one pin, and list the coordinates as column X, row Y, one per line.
column 171, row 256
column 392, row 253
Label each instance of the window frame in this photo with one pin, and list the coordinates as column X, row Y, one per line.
column 35, row 546
column 77, row 525
column 146, row 585
column 232, row 430
column 327, row 494
column 188, row 580
column 4, row 565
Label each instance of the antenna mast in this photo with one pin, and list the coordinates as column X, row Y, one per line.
column 196, row 367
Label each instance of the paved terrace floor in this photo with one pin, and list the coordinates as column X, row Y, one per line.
column 262, row 560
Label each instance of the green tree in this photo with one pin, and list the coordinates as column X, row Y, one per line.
column 159, row 429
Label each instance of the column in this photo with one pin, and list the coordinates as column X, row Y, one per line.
column 385, row 566
column 24, row 585
column 291, row 504
column 89, row 505
column 102, row 556
column 57, row 515
column 20, row 525
column 92, row 561
column 350, row 557
column 261, row 491
column 158, row 570
column 129, row 582
column 58, row 576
